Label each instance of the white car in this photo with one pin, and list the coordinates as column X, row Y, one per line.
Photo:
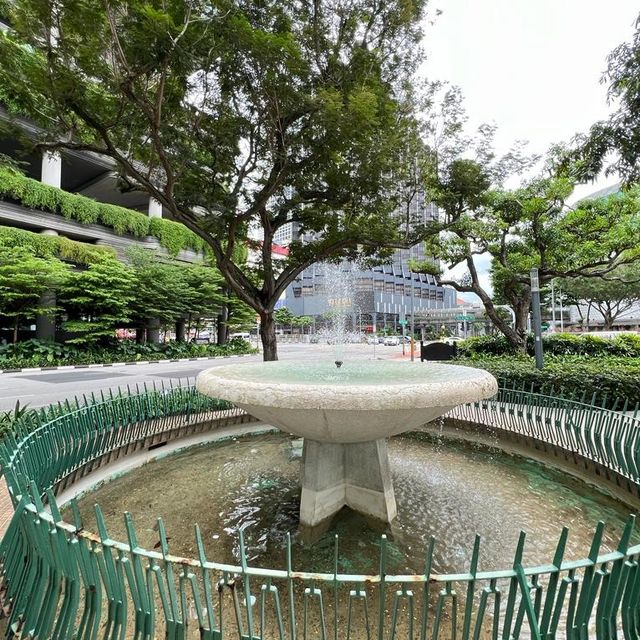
column 391, row 341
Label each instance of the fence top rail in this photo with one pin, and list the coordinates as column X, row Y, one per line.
column 77, row 411
column 629, row 553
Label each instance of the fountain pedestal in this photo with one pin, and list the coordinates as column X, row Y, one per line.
column 356, row 475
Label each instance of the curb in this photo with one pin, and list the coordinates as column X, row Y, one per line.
column 69, row 367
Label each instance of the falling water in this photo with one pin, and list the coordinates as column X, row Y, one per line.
column 339, row 285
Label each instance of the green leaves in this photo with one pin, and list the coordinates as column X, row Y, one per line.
column 24, row 278
column 173, row 236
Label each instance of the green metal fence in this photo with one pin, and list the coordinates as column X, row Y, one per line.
column 62, row 581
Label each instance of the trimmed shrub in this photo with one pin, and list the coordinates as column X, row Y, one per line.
column 610, row 380
column 42, row 353
column 559, row 344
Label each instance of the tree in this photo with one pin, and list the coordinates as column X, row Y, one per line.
column 302, row 322
column 524, row 228
column 98, row 300
column 203, row 293
column 158, row 290
column 235, row 115
column 284, row 317
column 617, row 137
column 611, row 296
column 167, row 291
column 24, row 278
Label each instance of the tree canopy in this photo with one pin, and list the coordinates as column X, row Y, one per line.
column 24, row 278
column 235, row 115
column 611, row 296
column 613, row 144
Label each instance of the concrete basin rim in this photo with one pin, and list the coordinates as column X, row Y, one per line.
column 353, row 397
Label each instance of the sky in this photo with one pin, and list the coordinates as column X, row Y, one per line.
column 532, row 67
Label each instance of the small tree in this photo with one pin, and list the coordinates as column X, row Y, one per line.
column 98, row 300
column 303, row 321
column 24, row 278
column 611, row 296
column 158, row 289
column 284, row 317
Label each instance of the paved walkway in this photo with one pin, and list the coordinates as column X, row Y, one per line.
column 6, row 507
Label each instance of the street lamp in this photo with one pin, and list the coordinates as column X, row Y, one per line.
column 413, row 327
column 537, row 319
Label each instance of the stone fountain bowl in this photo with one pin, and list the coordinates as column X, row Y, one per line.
column 360, row 402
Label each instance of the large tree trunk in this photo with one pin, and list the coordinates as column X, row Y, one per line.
column 15, row 331
column 521, row 308
column 223, row 324
column 268, row 336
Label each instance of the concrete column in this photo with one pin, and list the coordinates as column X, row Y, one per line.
column 153, row 330
column 181, row 327
column 155, row 208
column 46, row 324
column 356, row 475
column 51, row 169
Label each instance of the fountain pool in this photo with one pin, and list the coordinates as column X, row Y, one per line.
column 345, row 414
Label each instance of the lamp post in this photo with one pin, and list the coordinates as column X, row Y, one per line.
column 413, row 327
column 537, row 319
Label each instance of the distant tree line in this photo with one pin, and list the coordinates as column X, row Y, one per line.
column 91, row 301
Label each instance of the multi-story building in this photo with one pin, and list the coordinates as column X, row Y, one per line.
column 382, row 296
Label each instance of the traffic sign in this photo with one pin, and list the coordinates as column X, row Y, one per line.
column 403, row 322
column 465, row 318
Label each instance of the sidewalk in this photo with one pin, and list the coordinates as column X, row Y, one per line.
column 6, row 507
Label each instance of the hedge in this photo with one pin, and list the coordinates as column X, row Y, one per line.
column 173, row 236
column 609, row 380
column 556, row 344
column 43, row 353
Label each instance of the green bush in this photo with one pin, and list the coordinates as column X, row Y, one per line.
column 19, row 416
column 173, row 236
column 39, row 353
column 557, row 344
column 44, row 246
column 610, row 379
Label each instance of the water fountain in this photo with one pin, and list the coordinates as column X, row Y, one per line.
column 345, row 416
column 346, row 411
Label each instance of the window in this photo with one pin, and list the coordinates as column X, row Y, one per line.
column 388, row 287
column 378, row 285
column 297, row 292
column 364, row 284
column 400, row 288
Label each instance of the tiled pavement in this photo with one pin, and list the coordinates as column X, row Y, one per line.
column 6, row 507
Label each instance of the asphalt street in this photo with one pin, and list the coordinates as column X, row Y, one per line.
column 38, row 388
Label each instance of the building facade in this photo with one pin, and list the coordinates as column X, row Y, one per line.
column 381, row 297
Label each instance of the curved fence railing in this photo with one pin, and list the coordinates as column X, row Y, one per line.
column 610, row 438
column 62, row 581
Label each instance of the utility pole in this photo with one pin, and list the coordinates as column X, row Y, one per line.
column 537, row 319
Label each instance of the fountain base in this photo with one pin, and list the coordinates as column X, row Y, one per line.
column 356, row 475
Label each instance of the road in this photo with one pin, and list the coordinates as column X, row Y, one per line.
column 39, row 388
